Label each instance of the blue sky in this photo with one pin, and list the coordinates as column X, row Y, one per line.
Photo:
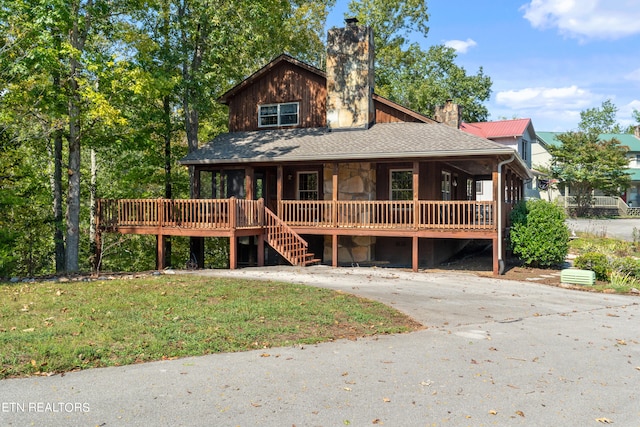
column 548, row 59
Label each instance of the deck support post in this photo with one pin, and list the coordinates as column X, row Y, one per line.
column 261, row 250
column 414, row 254
column 160, row 254
column 233, row 251
column 334, row 250
column 496, row 257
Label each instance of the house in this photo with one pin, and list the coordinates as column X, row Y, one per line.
column 316, row 167
column 631, row 195
column 517, row 134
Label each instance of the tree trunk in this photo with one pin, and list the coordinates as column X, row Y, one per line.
column 166, row 101
column 73, row 193
column 93, row 235
column 58, row 218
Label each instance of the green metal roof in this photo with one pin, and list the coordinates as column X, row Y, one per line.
column 625, row 139
column 635, row 174
column 628, row 139
column 549, row 138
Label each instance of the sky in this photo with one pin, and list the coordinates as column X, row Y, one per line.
column 548, row 59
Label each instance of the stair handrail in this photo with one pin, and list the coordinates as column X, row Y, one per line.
column 272, row 220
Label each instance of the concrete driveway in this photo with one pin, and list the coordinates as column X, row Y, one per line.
column 494, row 353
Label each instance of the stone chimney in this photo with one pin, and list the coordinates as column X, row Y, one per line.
column 636, row 131
column 450, row 114
column 350, row 77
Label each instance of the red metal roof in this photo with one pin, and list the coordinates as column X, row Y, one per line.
column 497, row 129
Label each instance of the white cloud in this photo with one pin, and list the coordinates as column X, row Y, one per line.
column 461, row 46
column 561, row 98
column 634, row 75
column 585, row 19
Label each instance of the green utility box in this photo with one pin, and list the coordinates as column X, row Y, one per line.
column 578, row 277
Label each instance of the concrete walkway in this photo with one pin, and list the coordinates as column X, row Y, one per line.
column 494, row 352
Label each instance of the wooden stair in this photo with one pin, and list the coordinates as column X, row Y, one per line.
column 287, row 242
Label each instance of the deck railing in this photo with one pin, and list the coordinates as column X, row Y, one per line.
column 381, row 214
column 233, row 213
column 181, row 213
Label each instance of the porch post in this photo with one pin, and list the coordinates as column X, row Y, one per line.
column 279, row 190
column 334, row 250
column 248, row 183
column 416, row 188
column 497, row 198
column 334, row 196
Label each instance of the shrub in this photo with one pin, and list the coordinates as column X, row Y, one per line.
column 596, row 262
column 626, row 265
column 539, row 236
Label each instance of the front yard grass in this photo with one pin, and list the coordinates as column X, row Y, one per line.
column 53, row 327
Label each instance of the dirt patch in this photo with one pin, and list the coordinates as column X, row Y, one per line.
column 478, row 260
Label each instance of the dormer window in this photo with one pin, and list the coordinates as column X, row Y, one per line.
column 273, row 115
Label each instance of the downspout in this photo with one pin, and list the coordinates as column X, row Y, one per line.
column 500, row 196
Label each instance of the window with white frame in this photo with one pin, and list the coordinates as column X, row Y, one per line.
column 307, row 185
column 273, row 115
column 401, row 184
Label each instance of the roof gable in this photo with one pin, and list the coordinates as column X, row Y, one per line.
column 224, row 99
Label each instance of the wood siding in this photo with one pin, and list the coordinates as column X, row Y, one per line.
column 387, row 114
column 286, row 82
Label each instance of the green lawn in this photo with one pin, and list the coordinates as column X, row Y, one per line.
column 52, row 327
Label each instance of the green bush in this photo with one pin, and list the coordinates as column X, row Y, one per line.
column 539, row 236
column 596, row 262
column 626, row 265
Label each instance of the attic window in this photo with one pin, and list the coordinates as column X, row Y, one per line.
column 273, row 115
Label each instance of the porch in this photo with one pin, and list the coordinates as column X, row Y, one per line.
column 234, row 218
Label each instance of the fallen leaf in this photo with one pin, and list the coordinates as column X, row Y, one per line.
column 386, row 400
column 377, row 421
column 265, row 355
column 622, row 342
column 520, row 413
column 604, row 420
column 346, row 389
column 255, row 405
column 493, row 412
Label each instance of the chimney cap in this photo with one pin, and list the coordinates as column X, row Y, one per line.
column 351, row 21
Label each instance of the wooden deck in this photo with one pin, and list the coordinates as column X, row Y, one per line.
column 234, row 218
column 222, row 217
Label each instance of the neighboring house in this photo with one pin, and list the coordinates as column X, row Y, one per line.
column 317, row 163
column 631, row 195
column 517, row 134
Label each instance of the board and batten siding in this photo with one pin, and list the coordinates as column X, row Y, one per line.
column 285, row 83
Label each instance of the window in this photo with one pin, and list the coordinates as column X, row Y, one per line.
column 401, row 184
column 278, row 115
column 307, row 185
column 470, row 189
column 446, row 185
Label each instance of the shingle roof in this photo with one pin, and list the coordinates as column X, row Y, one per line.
column 381, row 141
column 497, row 129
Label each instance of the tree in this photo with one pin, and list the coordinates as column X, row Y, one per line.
column 600, row 120
column 410, row 76
column 584, row 163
